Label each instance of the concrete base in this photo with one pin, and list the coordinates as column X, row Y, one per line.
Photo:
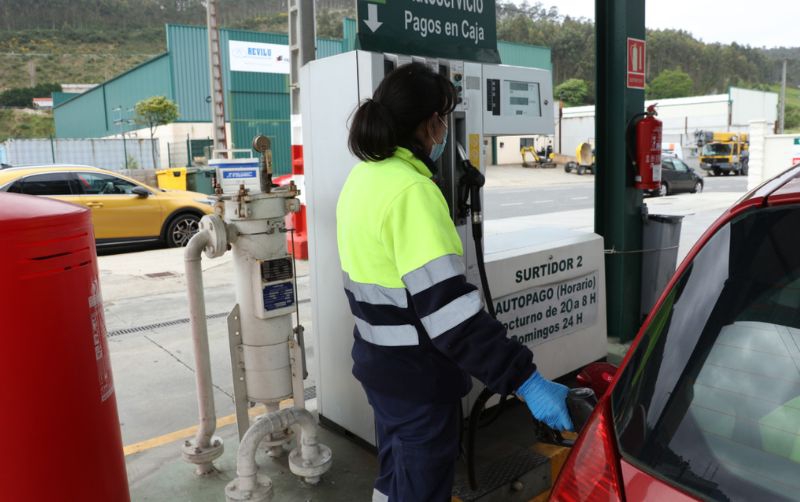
column 508, row 468
column 159, row 474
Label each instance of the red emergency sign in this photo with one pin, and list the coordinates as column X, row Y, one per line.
column 636, row 63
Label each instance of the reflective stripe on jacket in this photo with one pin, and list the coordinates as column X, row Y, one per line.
column 419, row 325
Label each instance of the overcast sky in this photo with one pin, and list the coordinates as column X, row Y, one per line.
column 768, row 23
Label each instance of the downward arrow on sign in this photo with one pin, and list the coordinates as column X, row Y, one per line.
column 372, row 17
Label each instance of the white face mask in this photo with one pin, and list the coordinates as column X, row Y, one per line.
column 438, row 148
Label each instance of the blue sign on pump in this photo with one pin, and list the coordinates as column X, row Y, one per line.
column 278, row 296
column 232, row 174
column 238, row 174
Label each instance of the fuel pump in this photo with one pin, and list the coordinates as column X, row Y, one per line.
column 553, row 264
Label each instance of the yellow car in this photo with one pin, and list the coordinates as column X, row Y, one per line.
column 124, row 211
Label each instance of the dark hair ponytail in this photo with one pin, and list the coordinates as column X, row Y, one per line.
column 404, row 99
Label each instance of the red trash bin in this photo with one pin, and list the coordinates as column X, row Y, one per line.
column 58, row 412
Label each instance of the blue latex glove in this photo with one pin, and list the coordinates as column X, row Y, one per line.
column 547, row 401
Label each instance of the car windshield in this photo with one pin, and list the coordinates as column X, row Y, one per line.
column 716, row 149
column 710, row 400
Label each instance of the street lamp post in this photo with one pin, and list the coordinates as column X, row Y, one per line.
column 120, row 123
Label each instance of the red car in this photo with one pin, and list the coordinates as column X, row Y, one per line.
column 706, row 404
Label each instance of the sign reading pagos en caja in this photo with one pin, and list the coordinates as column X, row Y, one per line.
column 258, row 58
column 452, row 29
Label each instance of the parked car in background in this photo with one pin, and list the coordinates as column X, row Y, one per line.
column 124, row 211
column 676, row 177
column 706, row 404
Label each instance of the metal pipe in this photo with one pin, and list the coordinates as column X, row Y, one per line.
column 202, row 451
column 310, row 460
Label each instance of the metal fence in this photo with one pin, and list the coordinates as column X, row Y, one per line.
column 189, row 153
column 113, row 154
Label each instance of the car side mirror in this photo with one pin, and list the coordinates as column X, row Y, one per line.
column 141, row 192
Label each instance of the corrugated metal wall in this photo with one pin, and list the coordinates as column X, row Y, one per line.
column 256, row 103
column 60, row 97
column 83, row 116
column 150, row 79
column 187, row 47
column 93, row 115
column 328, row 47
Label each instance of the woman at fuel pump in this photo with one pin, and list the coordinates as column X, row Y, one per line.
column 420, row 327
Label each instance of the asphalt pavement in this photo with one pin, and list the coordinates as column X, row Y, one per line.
column 510, row 201
column 147, row 315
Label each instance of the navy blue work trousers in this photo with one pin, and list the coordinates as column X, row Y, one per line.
column 417, row 449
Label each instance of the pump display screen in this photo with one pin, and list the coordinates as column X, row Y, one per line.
column 523, row 99
column 513, row 98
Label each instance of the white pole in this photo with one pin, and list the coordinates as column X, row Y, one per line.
column 782, row 110
column 215, row 69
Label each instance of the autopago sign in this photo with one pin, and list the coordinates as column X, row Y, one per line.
column 451, row 29
column 536, row 315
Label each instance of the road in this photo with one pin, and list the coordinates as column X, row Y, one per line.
column 509, row 202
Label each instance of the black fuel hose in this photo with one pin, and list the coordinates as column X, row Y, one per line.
column 472, row 433
column 580, row 402
column 473, row 180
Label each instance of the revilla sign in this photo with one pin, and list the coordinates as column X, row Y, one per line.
column 451, row 29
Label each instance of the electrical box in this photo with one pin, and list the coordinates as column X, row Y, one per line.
column 232, row 174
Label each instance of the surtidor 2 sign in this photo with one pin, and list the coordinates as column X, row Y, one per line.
column 538, row 314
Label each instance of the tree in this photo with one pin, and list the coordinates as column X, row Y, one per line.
column 791, row 119
column 22, row 97
column 670, row 84
column 153, row 112
column 572, row 92
column 330, row 22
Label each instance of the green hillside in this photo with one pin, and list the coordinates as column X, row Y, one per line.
column 23, row 123
column 89, row 41
column 792, row 107
column 72, row 57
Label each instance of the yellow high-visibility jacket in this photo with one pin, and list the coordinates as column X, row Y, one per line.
column 420, row 327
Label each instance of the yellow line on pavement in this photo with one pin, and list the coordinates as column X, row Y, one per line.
column 188, row 432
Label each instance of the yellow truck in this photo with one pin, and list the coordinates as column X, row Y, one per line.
column 723, row 152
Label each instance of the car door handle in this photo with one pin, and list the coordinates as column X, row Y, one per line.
column 94, row 204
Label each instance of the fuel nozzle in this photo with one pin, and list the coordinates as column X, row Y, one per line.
column 580, row 404
column 471, row 176
column 470, row 182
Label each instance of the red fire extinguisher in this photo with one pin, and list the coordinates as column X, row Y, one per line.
column 646, row 156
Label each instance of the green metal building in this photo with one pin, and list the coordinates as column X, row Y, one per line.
column 255, row 103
